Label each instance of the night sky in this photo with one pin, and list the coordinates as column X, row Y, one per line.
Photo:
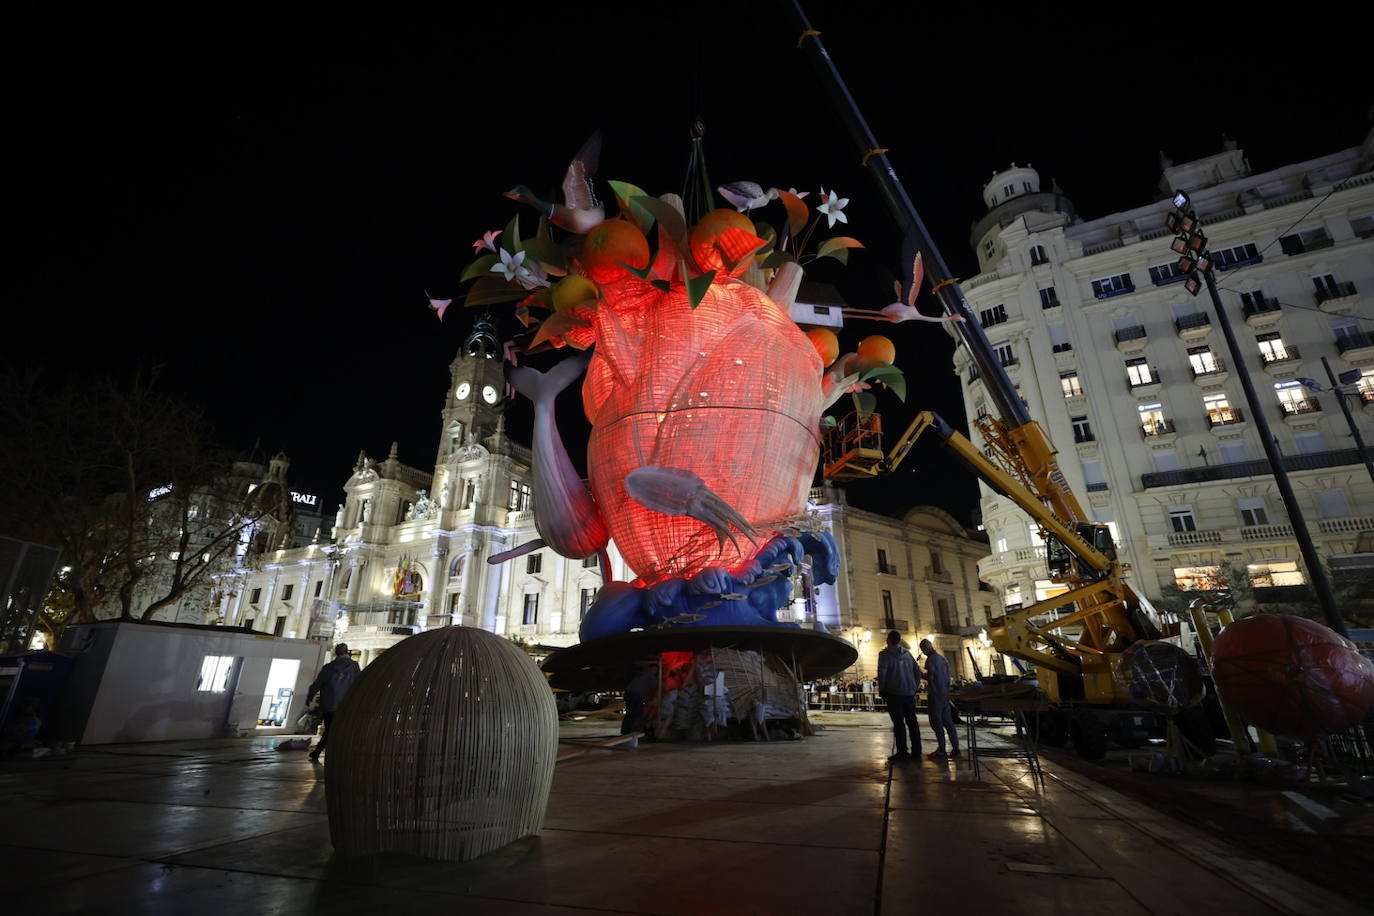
column 256, row 203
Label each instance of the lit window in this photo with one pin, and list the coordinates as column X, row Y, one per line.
column 1198, row 578
column 214, row 673
column 1069, row 384
column 1218, row 409
column 1152, row 420
column 513, row 500
column 1293, row 398
column 1203, row 360
column 1272, row 348
column 1269, row 575
column 525, row 497
column 1138, row 372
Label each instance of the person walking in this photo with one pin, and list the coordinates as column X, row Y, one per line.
column 898, row 680
column 331, row 684
column 941, row 715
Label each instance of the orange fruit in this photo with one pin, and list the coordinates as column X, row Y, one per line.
column 826, row 344
column 708, row 230
column 573, row 290
column 615, row 240
column 878, row 347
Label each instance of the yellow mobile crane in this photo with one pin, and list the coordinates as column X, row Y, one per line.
column 1075, row 637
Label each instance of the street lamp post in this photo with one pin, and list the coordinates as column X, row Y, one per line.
column 1191, row 244
column 1341, row 395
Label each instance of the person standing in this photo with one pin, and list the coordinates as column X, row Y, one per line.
column 331, row 684
column 941, row 715
column 897, row 683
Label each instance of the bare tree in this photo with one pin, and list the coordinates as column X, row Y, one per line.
column 128, row 481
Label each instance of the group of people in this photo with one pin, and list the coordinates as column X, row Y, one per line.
column 899, row 680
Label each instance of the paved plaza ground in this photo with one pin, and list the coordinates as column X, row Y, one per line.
column 824, row 825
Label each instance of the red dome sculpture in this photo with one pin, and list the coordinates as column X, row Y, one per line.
column 1292, row 676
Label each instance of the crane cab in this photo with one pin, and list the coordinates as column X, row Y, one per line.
column 1063, row 561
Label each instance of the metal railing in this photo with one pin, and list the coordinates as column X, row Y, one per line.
column 1270, row 357
column 1256, row 468
column 1229, row 417
column 1158, row 428
column 1356, row 341
column 1218, row 366
column 1295, row 408
column 1193, row 322
column 1136, row 332
column 1151, row 377
column 1334, row 291
column 1258, row 305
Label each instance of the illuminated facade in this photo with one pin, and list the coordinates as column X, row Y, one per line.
column 1131, row 378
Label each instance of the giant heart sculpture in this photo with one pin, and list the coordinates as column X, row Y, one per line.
column 729, row 391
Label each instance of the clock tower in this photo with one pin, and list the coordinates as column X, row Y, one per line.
column 476, row 391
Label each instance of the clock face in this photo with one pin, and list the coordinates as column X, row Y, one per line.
column 463, row 391
column 489, row 394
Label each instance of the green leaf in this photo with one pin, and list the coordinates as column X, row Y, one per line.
column 628, row 196
column 479, row 268
column 828, row 422
column 777, row 259
column 890, row 376
column 640, row 272
column 510, row 239
column 546, row 251
column 670, row 219
column 838, row 248
column 697, row 287
column 866, row 402
column 489, row 291
column 556, row 325
column 798, row 213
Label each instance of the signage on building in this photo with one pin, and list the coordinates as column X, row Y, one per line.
column 305, row 499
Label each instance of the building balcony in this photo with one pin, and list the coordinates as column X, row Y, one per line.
column 1128, row 339
column 886, row 569
column 1194, row 538
column 1267, row 533
column 1299, row 411
column 939, row 575
column 1367, row 401
column 1212, row 373
column 1258, row 468
column 1261, row 312
column 895, row 623
column 1160, row 429
column 1357, row 348
column 1099, row 487
column 1145, row 384
column 1230, row 418
column 1280, row 360
column 1338, row 297
column 1352, row 525
column 1192, row 327
column 1082, row 438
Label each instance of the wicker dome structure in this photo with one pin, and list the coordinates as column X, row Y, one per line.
column 444, row 748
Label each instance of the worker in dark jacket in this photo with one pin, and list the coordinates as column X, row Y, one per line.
column 333, row 682
column 898, row 681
